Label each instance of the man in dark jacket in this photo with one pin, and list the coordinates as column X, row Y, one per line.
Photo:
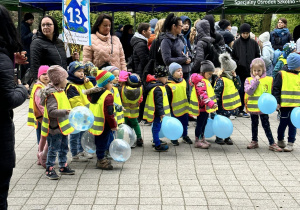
column 140, row 49
column 244, row 51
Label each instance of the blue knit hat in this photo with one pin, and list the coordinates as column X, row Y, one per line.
column 293, row 61
column 75, row 66
column 288, row 48
column 153, row 24
column 173, row 67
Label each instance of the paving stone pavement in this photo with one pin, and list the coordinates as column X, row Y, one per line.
column 184, row 178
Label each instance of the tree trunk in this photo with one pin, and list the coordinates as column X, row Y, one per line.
column 266, row 24
column 242, row 19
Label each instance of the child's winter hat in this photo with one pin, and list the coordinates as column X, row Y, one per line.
column 245, row 27
column 103, row 78
column 110, row 68
column 293, row 61
column 153, row 24
column 134, row 81
column 88, row 66
column 227, row 64
column 224, row 24
column 123, row 76
column 173, row 67
column 75, row 66
column 264, row 37
column 42, row 70
column 161, row 71
column 288, row 48
column 207, row 66
column 57, row 74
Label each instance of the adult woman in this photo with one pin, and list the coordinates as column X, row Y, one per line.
column 125, row 40
column 155, row 53
column 281, row 35
column 12, row 96
column 47, row 49
column 106, row 49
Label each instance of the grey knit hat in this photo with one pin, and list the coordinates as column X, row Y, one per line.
column 227, row 64
column 207, row 66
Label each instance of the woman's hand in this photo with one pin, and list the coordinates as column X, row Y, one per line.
column 20, row 58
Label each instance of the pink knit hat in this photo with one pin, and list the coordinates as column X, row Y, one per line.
column 42, row 70
column 57, row 74
column 123, row 76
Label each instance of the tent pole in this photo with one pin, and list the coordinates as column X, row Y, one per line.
column 19, row 19
column 134, row 21
column 223, row 13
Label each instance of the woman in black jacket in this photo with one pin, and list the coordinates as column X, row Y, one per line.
column 47, row 49
column 12, row 96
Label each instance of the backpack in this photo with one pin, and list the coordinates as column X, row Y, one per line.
column 277, row 54
column 212, row 53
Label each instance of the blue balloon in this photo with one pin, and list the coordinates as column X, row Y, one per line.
column 119, row 150
column 160, row 134
column 209, row 131
column 267, row 103
column 88, row 142
column 171, row 128
column 75, row 131
column 81, row 118
column 222, row 126
column 295, row 117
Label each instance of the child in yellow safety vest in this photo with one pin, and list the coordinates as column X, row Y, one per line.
column 77, row 82
column 179, row 104
column 36, row 111
column 102, row 106
column 56, row 126
column 203, row 100
column 255, row 86
column 157, row 104
column 287, row 93
column 226, row 90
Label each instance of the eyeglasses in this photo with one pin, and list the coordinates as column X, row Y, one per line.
column 48, row 25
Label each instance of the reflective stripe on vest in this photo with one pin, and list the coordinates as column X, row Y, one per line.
column 119, row 116
column 132, row 107
column 290, row 89
column 80, row 88
column 265, row 86
column 230, row 97
column 149, row 109
column 63, row 122
column 31, row 119
column 194, row 103
column 211, row 94
column 98, row 111
column 180, row 104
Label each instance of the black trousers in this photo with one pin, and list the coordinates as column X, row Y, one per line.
column 5, row 176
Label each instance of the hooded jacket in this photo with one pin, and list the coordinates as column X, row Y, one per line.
column 140, row 53
column 279, row 37
column 186, row 35
column 203, row 30
column 267, row 53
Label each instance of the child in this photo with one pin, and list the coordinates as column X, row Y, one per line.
column 179, row 105
column 282, row 63
column 202, row 100
column 36, row 111
column 55, row 125
column 226, row 90
column 267, row 52
column 132, row 96
column 157, row 104
column 255, row 86
column 287, row 81
column 77, row 82
column 90, row 71
column 102, row 106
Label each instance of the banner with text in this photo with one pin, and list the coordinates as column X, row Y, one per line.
column 269, row 3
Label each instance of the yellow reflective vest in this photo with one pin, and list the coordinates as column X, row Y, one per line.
column 119, row 116
column 179, row 103
column 211, row 94
column 149, row 110
column 290, row 89
column 82, row 99
column 194, row 103
column 132, row 107
column 63, row 122
column 32, row 111
column 230, row 96
column 265, row 86
column 99, row 117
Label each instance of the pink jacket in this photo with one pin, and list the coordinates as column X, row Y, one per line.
column 37, row 99
column 196, row 79
column 100, row 51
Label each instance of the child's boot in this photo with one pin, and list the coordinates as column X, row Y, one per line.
column 51, row 174
column 281, row 143
column 200, row 144
column 104, row 164
column 175, row 142
column 274, row 147
column 289, row 147
column 219, row 141
column 228, row 141
column 66, row 170
column 253, row 145
column 187, row 140
column 139, row 142
column 204, row 140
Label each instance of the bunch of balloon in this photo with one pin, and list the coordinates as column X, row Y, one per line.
column 119, row 150
column 209, row 131
column 81, row 119
column 222, row 126
column 267, row 103
column 171, row 128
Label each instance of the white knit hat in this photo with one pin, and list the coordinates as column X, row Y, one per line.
column 264, row 37
column 227, row 64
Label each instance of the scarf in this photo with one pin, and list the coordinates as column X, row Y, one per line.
column 75, row 79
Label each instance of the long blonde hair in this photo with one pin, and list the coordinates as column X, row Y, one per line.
column 158, row 27
column 193, row 32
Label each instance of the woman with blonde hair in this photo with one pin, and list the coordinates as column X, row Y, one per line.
column 155, row 52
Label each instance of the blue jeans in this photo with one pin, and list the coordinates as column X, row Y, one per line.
column 38, row 132
column 201, row 123
column 75, row 143
column 101, row 141
column 184, row 119
column 264, row 118
column 57, row 144
column 285, row 120
column 242, row 95
column 111, row 138
column 155, row 130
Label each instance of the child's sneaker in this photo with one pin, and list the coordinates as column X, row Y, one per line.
column 66, row 170
column 204, row 141
column 201, row 144
column 161, row 148
column 228, row 141
column 51, row 174
column 86, row 155
column 161, row 142
column 175, row 142
column 281, row 144
column 274, row 147
column 187, row 140
column 79, row 158
column 253, row 145
column 139, row 142
column 104, row 164
column 232, row 117
column 219, row 141
column 289, row 147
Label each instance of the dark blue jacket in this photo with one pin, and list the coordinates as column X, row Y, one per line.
column 26, row 37
column 187, row 34
column 279, row 37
